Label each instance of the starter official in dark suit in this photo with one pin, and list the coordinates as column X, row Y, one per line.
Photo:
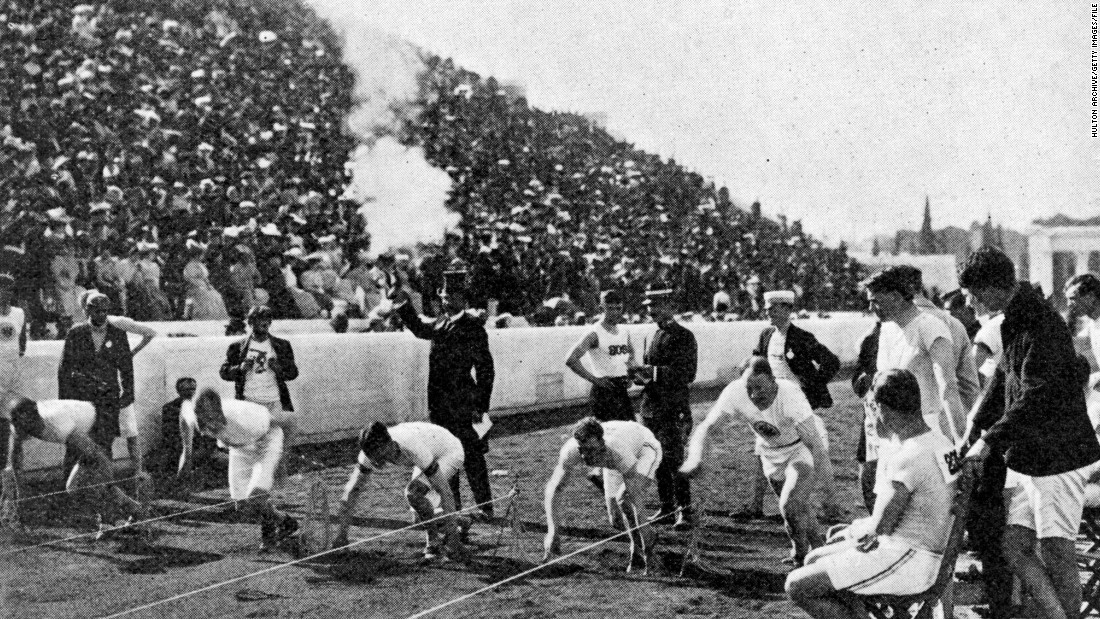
column 456, row 399
column 669, row 369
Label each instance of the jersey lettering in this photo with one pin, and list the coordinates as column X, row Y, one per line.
column 618, row 349
column 260, row 359
column 765, row 429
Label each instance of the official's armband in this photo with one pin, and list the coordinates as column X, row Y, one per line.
column 432, row 469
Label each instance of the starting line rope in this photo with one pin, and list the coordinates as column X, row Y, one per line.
column 217, row 585
column 524, row 573
column 74, row 490
column 119, row 528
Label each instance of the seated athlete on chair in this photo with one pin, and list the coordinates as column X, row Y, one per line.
column 898, row 549
column 435, row 456
column 629, row 455
column 65, row 422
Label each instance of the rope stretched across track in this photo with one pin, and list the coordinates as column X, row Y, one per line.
column 526, row 573
column 121, row 527
column 273, row 568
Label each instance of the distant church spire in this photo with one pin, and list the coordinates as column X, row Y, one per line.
column 927, row 243
column 989, row 237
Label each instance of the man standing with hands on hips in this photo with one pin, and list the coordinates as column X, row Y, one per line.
column 456, row 399
column 669, row 368
column 607, row 345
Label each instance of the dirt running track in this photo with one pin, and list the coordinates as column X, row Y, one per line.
column 386, row 578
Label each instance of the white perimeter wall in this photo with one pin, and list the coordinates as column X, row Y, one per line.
column 348, row 380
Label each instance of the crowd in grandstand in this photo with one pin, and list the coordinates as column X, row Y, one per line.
column 552, row 204
column 185, row 157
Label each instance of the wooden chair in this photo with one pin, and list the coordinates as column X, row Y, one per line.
column 898, row 606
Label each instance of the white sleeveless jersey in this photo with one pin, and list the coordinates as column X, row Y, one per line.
column 245, row 423
column 421, row 444
column 626, row 442
column 611, row 352
column 776, row 425
column 63, row 417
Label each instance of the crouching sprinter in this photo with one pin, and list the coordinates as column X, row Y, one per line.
column 435, row 456
column 629, row 455
column 255, row 446
column 68, row 423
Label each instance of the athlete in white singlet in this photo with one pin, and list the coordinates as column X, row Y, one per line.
column 787, row 443
column 611, row 357
column 435, row 456
column 629, row 455
column 64, row 422
column 255, row 446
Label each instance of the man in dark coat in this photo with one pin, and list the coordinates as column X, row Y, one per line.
column 801, row 357
column 669, row 369
column 456, row 399
column 1044, row 432
column 97, row 367
column 248, row 358
column 260, row 365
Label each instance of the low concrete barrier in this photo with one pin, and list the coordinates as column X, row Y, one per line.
column 349, row 380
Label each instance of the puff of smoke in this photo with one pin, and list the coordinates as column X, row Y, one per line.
column 401, row 195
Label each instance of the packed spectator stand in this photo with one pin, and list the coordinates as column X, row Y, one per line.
column 188, row 159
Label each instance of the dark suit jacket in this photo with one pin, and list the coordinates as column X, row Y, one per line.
column 235, row 356
column 1044, row 428
column 104, row 377
column 455, row 397
column 810, row 361
column 674, row 354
